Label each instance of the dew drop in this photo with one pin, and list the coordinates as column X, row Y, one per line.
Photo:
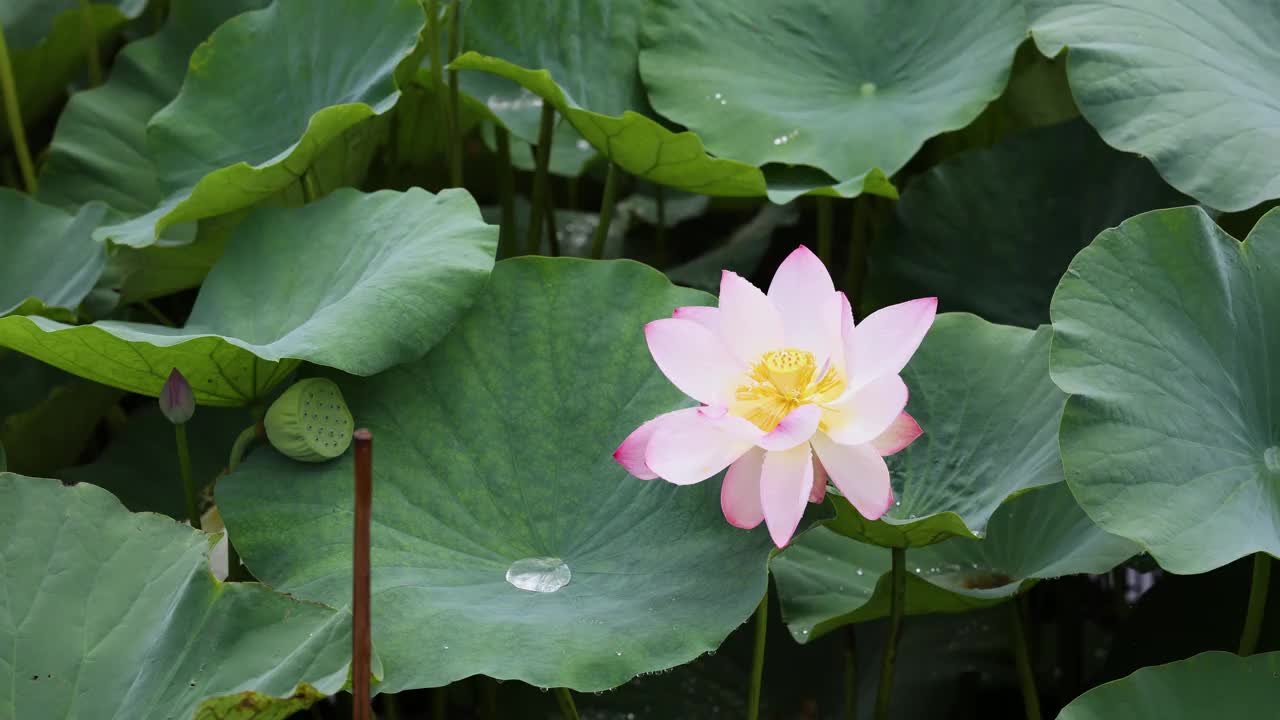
column 859, row 571
column 539, row 574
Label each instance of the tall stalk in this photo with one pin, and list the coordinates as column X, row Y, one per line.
column 507, row 192
column 757, row 657
column 1257, row 603
column 826, row 228
column 13, row 116
column 897, row 604
column 567, row 708
column 454, row 127
column 541, row 180
column 1022, row 659
column 606, row 212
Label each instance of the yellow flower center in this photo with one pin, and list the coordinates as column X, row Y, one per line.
column 781, row 381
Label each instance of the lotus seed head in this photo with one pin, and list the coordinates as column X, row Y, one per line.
column 325, row 437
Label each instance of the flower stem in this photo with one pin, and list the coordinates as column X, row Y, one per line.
column 1257, row 603
column 90, row 36
column 850, row 673
column 540, row 178
column 567, row 708
column 361, row 643
column 13, row 115
column 606, row 212
column 432, row 8
column 826, row 228
column 1022, row 658
column 184, row 465
column 455, row 130
column 507, row 191
column 897, row 602
column 860, row 242
column 757, row 657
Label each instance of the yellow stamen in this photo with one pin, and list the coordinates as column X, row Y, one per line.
column 781, row 381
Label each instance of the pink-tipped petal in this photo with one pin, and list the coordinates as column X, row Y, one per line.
column 900, row 434
column 819, row 491
column 707, row 317
column 692, row 358
column 689, row 448
column 750, row 325
column 630, row 454
column 861, row 416
column 804, row 295
column 883, row 343
column 740, row 493
column 797, row 427
column 786, row 479
column 859, row 473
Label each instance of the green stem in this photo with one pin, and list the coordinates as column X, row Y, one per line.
column 860, row 243
column 850, row 673
column 897, row 603
column 606, row 212
column 664, row 252
column 1022, row 658
column 156, row 313
column 90, row 36
column 432, row 8
column 565, row 699
column 455, row 129
column 540, row 178
column 826, row 228
column 506, row 191
column 188, row 485
column 1257, row 603
column 242, row 444
column 13, row 115
column 757, row 657
column 440, row 703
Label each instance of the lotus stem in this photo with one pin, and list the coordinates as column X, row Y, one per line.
column 454, row 126
column 1257, row 603
column 432, row 8
column 850, row 673
column 361, row 641
column 826, row 228
column 757, row 657
column 440, row 702
column 660, row 199
column 1022, row 658
column 13, row 115
column 184, row 466
column 239, row 449
column 897, row 602
column 90, row 35
column 156, row 313
column 860, row 243
column 606, row 212
column 540, row 178
column 567, row 708
column 506, row 190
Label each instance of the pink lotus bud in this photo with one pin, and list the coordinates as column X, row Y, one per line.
column 176, row 401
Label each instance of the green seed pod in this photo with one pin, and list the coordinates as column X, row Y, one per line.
column 310, row 421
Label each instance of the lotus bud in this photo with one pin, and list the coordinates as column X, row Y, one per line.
column 310, row 421
column 176, row 401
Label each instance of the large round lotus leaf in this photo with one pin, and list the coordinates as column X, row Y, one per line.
column 992, row 231
column 1165, row 338
column 263, row 96
column 49, row 261
column 1188, row 83
column 1210, row 685
column 849, row 88
column 354, row 281
column 110, row 614
column 826, row 580
column 492, row 465
column 49, row 48
column 982, row 394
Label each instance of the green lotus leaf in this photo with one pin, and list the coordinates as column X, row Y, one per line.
column 49, row 261
column 1211, row 684
column 49, row 48
column 982, row 394
column 230, row 140
column 140, row 464
column 992, row 231
column 354, row 281
column 114, row 614
column 826, row 580
column 492, row 473
column 1164, row 337
column 1186, row 83
column 852, row 89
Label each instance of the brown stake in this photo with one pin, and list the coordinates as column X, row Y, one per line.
column 361, row 645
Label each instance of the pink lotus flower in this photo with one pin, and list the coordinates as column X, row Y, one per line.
column 791, row 393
